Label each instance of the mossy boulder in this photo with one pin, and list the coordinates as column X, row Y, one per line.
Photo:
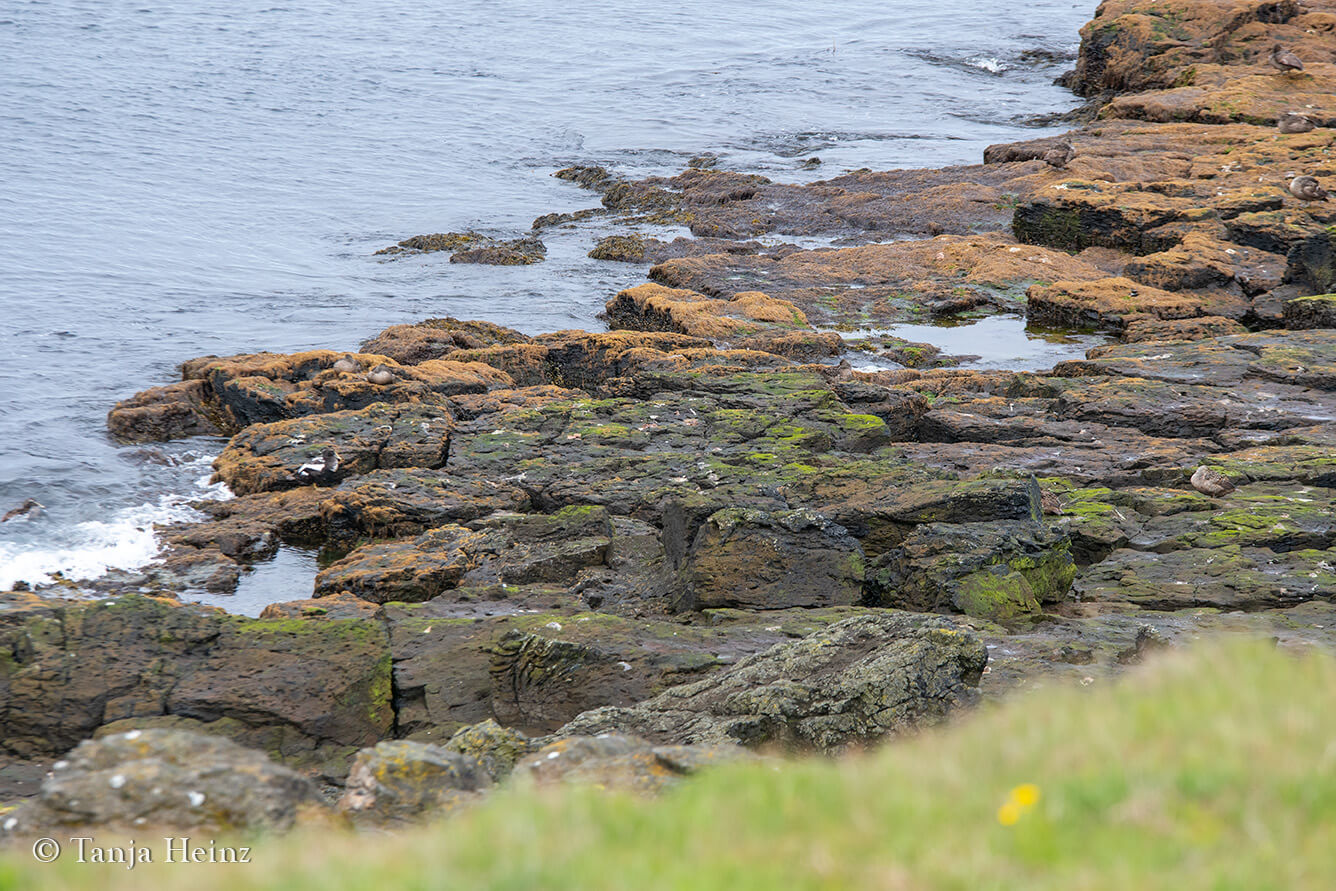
column 165, row 780
column 398, row 781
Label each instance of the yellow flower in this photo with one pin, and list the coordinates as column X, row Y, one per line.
column 1019, row 800
column 1026, row 795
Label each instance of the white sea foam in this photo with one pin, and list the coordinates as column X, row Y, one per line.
column 988, row 63
column 126, row 540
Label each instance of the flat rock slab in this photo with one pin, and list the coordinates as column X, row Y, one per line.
column 850, row 684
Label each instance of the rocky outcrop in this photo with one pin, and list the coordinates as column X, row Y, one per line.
column 306, row 690
column 146, row 781
column 692, row 528
column 852, row 684
column 621, row 762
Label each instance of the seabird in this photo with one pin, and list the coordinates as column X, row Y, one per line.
column 1050, row 504
column 1307, row 188
column 346, row 364
column 321, row 470
column 25, row 511
column 1284, row 60
column 381, row 375
column 1059, row 155
column 1210, row 481
column 1293, row 122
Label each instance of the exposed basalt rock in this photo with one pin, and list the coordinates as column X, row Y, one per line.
column 617, row 761
column 851, row 684
column 901, row 281
column 440, row 241
column 165, row 780
column 639, row 249
column 437, row 338
column 1318, row 311
column 266, row 457
column 471, row 247
column 506, row 549
column 771, row 560
column 1143, row 44
column 520, row 252
column 171, row 412
column 656, row 308
column 398, row 781
column 305, row 689
column 1001, row 571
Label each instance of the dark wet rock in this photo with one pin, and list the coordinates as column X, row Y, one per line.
column 399, row 781
column 172, row 412
column 1148, row 641
column 617, row 761
column 406, row 501
column 771, row 560
column 1014, row 152
column 413, row 570
column 520, row 252
column 848, row 685
column 536, row 670
column 498, row 550
column 1000, row 571
column 1318, row 311
column 440, row 241
column 304, row 690
column 265, row 457
column 165, row 780
column 565, row 219
column 1227, row 577
column 640, row 249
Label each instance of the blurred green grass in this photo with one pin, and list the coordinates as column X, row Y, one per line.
column 1209, row 768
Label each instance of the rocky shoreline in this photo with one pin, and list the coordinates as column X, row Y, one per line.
column 617, row 556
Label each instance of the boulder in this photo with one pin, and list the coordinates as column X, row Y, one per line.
column 397, row 781
column 164, row 781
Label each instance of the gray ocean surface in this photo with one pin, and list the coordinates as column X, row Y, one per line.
column 214, row 177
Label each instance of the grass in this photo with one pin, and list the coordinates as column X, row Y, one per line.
column 1214, row 768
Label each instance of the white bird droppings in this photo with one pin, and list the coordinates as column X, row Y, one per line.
column 196, row 798
column 117, row 781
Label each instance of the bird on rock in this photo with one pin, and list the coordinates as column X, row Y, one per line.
column 1285, row 61
column 1293, row 122
column 321, row 470
column 381, row 375
column 1210, row 481
column 346, row 364
column 1059, row 155
column 1307, row 188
